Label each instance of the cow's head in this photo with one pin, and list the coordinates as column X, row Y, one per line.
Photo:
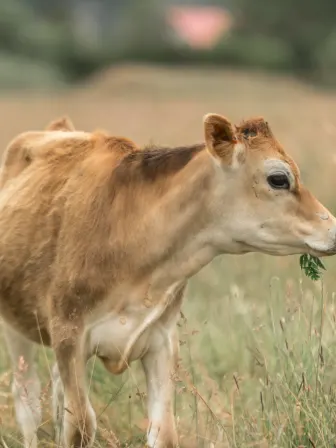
column 265, row 207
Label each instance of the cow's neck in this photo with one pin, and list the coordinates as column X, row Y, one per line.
column 181, row 224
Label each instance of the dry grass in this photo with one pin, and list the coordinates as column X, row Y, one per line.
column 257, row 341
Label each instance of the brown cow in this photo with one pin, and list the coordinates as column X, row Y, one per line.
column 98, row 240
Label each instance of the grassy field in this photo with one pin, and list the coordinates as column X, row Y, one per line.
column 258, row 358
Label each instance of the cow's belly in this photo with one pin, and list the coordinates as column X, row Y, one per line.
column 126, row 333
column 110, row 338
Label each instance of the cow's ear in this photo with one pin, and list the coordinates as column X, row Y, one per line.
column 220, row 138
column 61, row 124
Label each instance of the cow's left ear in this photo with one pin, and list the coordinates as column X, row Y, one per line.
column 221, row 139
column 61, row 124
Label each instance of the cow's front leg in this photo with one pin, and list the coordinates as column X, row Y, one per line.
column 79, row 420
column 159, row 365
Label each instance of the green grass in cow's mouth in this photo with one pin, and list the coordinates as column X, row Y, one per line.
column 311, row 266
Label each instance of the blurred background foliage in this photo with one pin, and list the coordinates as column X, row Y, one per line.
column 54, row 43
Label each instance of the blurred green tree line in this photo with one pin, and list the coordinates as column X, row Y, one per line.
column 53, row 43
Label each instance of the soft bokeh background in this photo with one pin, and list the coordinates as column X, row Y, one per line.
column 257, row 339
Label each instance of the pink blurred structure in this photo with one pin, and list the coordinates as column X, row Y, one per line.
column 201, row 27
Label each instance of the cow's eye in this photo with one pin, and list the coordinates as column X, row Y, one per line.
column 278, row 181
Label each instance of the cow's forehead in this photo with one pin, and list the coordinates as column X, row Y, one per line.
column 258, row 136
column 257, row 125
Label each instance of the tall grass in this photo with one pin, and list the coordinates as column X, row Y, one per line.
column 254, row 371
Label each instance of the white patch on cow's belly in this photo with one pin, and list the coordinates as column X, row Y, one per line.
column 108, row 337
